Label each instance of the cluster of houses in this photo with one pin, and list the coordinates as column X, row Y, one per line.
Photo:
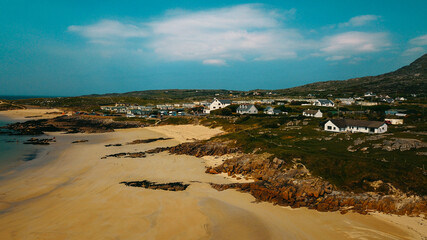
column 249, row 107
column 333, row 125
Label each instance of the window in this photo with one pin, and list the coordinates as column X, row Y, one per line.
column 329, row 127
column 334, row 128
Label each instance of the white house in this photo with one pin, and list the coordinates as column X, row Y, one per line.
column 394, row 121
column 323, row 103
column 217, row 104
column 129, row 114
column 312, row 113
column 369, row 94
column 272, row 111
column 247, row 109
column 349, row 125
column 346, row 101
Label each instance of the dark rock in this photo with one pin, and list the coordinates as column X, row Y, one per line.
column 174, row 186
column 148, row 140
column 113, row 145
column 69, row 124
column 36, row 141
column 127, row 155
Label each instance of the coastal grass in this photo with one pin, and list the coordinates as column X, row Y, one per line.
column 332, row 156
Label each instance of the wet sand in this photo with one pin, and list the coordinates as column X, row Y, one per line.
column 71, row 193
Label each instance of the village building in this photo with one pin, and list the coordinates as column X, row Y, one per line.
column 346, row 101
column 367, row 104
column 323, row 103
column 272, row 111
column 267, row 101
column 388, row 100
column 349, row 125
column 217, row 104
column 401, row 99
column 369, row 94
column 247, row 109
column 312, row 113
column 394, row 121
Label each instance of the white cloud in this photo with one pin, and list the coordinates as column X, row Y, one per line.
column 249, row 32
column 359, row 21
column 243, row 32
column 336, row 58
column 107, row 31
column 218, row 62
column 419, row 41
column 413, row 51
column 355, row 43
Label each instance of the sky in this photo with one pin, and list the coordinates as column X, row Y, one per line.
column 70, row 48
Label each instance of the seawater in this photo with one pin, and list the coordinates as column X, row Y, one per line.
column 12, row 150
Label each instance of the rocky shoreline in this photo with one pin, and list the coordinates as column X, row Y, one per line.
column 291, row 184
column 68, row 124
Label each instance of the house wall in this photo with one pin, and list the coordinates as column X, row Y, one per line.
column 317, row 115
column 382, row 129
column 330, row 127
column 354, row 129
column 217, row 105
column 394, row 121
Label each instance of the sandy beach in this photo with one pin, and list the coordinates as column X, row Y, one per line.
column 31, row 114
column 69, row 192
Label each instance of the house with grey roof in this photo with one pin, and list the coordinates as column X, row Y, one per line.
column 273, row 111
column 350, row 125
column 312, row 113
column 247, row 109
column 323, row 103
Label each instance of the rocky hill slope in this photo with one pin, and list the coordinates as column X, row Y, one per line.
column 406, row 80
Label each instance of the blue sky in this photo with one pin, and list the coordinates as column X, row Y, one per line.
column 83, row 47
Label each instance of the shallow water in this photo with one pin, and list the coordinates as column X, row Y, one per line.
column 12, row 150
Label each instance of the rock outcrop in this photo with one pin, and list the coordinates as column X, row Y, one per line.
column 37, row 141
column 140, row 141
column 401, row 144
column 201, row 148
column 68, row 124
column 290, row 184
column 127, row 155
column 174, row 186
column 80, row 141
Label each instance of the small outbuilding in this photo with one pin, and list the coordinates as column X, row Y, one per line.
column 312, row 113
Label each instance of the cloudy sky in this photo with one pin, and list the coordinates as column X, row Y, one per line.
column 83, row 47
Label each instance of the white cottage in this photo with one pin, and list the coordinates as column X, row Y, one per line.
column 349, row 125
column 247, row 109
column 312, row 113
column 217, row 104
column 323, row 103
column 272, row 111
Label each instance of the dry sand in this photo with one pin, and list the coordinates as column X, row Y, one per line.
column 29, row 114
column 71, row 193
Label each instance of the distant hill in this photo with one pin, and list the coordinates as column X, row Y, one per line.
column 173, row 94
column 406, row 80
